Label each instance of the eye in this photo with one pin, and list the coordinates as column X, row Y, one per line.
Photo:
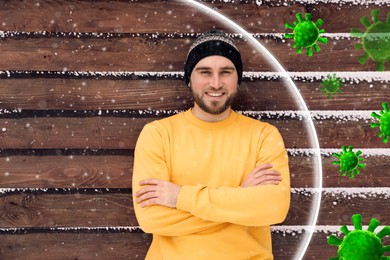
column 226, row 72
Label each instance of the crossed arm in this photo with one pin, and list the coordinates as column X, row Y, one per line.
column 165, row 193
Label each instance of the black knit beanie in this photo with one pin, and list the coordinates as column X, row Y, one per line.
column 213, row 42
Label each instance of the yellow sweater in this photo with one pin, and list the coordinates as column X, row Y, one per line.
column 215, row 218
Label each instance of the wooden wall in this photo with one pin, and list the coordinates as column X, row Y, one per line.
column 79, row 79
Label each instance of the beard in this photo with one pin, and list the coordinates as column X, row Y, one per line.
column 215, row 107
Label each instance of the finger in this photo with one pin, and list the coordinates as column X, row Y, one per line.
column 267, row 173
column 268, row 178
column 270, row 183
column 149, row 202
column 264, row 166
column 145, row 190
column 146, row 196
column 150, row 181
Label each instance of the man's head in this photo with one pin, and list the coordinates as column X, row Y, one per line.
column 212, row 42
column 213, row 71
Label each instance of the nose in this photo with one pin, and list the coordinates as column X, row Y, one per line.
column 216, row 82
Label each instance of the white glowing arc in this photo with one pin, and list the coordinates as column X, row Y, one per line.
column 284, row 74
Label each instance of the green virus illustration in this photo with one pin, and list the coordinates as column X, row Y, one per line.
column 384, row 122
column 306, row 33
column 361, row 244
column 331, row 86
column 375, row 40
column 349, row 161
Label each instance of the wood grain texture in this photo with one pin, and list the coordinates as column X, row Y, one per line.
column 62, row 246
column 171, row 94
column 138, row 53
column 168, row 16
column 115, row 171
column 122, row 133
column 133, row 245
column 100, row 209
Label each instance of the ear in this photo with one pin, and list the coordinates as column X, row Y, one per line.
column 189, row 84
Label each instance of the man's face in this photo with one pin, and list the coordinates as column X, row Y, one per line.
column 214, row 84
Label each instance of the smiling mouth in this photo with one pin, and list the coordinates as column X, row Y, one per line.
column 215, row 94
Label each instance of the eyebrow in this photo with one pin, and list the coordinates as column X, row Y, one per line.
column 209, row 68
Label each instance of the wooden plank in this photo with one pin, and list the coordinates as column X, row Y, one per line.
column 126, row 245
column 115, row 171
column 66, row 210
column 122, row 133
column 287, row 244
column 140, row 53
column 87, row 94
column 99, row 209
column 170, row 94
column 71, row 171
column 74, row 246
column 143, row 16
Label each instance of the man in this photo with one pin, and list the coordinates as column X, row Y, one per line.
column 209, row 182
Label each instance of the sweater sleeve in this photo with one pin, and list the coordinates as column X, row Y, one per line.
column 254, row 206
column 150, row 162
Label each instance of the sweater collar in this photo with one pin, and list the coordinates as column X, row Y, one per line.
column 210, row 125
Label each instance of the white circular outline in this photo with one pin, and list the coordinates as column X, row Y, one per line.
column 306, row 114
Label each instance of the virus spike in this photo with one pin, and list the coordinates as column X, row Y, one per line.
column 374, row 223
column 363, row 59
column 375, row 15
column 289, row 26
column 357, row 33
column 358, row 46
column 385, row 106
column 333, row 240
column 307, row 17
column 357, row 221
column 375, row 124
column 319, row 23
column 345, row 230
column 323, row 40
column 364, row 21
column 353, row 173
column 299, row 18
column 361, row 244
column 309, row 52
column 289, row 36
column 306, row 33
column 299, row 50
column 380, row 66
column 373, row 114
column 384, row 232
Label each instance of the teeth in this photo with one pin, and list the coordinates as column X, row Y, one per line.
column 215, row 94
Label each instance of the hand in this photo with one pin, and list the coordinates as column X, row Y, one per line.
column 262, row 175
column 157, row 192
